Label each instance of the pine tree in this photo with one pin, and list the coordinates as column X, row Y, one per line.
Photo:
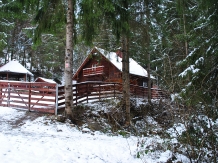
column 50, row 15
column 192, row 54
column 145, row 36
column 117, row 14
column 11, row 18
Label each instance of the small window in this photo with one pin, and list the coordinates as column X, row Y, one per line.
column 94, row 65
column 145, row 84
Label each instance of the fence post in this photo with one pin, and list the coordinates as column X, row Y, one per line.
column 56, row 100
column 29, row 99
column 143, row 92
column 87, row 92
column 8, row 103
column 1, row 95
column 99, row 95
column 114, row 90
column 76, row 93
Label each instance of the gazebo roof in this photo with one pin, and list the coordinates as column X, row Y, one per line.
column 14, row 67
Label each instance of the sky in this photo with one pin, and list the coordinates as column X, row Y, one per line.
column 25, row 139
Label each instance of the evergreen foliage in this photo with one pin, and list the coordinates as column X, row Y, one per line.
column 179, row 36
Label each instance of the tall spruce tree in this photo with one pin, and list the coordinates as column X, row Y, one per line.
column 50, row 14
column 189, row 45
column 145, row 35
column 201, row 62
column 11, row 20
column 117, row 15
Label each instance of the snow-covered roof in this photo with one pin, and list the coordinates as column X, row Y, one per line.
column 134, row 67
column 46, row 80
column 14, row 67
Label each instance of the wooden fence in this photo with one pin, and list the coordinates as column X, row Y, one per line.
column 34, row 96
column 49, row 98
column 97, row 91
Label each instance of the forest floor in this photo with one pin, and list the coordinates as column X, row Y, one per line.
column 96, row 136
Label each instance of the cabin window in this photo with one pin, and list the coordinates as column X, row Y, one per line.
column 145, row 84
column 94, row 65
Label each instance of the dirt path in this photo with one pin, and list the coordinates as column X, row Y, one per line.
column 28, row 116
column 22, row 118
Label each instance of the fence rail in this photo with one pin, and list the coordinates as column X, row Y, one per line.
column 49, row 98
column 34, row 96
column 97, row 91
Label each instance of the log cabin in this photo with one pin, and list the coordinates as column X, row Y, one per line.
column 104, row 66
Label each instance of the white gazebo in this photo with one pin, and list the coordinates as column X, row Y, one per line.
column 13, row 70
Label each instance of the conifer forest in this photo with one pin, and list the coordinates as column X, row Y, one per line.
column 174, row 40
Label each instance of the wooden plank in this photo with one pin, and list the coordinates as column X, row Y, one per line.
column 2, row 100
column 18, row 101
column 61, row 103
column 40, row 104
column 21, row 93
column 42, row 94
column 61, row 107
column 17, row 96
column 43, row 99
column 32, row 98
column 61, row 98
column 61, row 93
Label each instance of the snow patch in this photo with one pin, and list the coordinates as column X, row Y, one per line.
column 191, row 69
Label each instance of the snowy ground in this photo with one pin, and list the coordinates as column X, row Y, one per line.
column 39, row 139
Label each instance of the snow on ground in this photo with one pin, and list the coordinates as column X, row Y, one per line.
column 43, row 140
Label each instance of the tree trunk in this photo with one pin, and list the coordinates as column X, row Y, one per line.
column 147, row 45
column 127, row 123
column 12, row 42
column 69, row 62
column 186, row 42
column 123, row 73
column 125, row 80
column 149, row 80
